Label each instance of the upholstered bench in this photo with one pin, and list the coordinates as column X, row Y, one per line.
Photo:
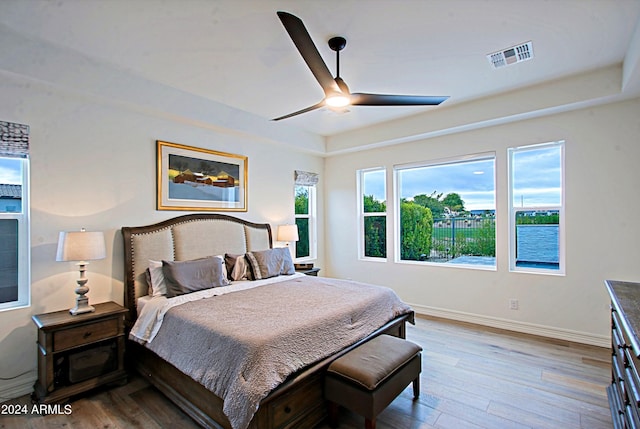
column 368, row 378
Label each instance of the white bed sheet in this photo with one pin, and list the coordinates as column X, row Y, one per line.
column 151, row 310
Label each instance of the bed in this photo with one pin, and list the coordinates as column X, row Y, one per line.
column 289, row 393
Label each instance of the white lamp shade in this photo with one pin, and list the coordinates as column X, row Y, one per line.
column 288, row 232
column 81, row 246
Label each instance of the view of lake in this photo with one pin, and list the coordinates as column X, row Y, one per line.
column 537, row 243
column 537, row 246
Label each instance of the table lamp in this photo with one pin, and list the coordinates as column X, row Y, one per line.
column 288, row 233
column 81, row 246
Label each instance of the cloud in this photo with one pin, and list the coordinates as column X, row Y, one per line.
column 374, row 184
column 474, row 181
column 537, row 177
column 530, row 197
column 10, row 171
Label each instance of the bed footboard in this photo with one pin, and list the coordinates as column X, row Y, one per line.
column 297, row 403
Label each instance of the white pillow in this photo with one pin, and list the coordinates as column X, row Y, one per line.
column 158, row 284
column 240, row 269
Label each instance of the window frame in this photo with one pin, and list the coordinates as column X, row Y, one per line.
column 492, row 155
column 312, row 218
column 24, row 240
column 362, row 215
column 561, row 271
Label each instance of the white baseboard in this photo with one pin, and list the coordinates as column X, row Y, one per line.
column 20, row 386
column 513, row 325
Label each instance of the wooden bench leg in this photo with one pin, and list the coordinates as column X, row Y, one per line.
column 416, row 387
column 333, row 413
column 370, row 423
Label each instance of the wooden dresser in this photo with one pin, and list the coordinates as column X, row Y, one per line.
column 624, row 391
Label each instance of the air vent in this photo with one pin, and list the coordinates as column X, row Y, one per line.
column 512, row 55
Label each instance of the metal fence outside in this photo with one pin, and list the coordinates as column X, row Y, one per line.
column 453, row 237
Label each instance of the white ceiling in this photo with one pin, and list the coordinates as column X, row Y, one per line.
column 236, row 52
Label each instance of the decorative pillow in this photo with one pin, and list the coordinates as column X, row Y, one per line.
column 270, row 263
column 155, row 279
column 237, row 268
column 190, row 276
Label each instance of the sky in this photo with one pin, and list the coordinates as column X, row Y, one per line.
column 474, row 181
column 10, row 171
column 537, row 180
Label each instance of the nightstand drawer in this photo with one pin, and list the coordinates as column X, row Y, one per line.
column 78, row 336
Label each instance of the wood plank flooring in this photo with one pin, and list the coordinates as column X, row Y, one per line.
column 472, row 378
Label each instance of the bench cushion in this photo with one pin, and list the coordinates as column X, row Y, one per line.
column 371, row 363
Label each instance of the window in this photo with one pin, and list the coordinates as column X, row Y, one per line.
column 446, row 211
column 14, row 216
column 373, row 213
column 305, row 202
column 536, row 203
column 305, row 214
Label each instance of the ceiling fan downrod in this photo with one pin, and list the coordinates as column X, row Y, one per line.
column 337, row 44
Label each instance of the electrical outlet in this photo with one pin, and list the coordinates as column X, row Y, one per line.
column 513, row 304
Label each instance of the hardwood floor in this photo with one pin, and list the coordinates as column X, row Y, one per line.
column 472, row 377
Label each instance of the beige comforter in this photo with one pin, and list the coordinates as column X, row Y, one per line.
column 242, row 345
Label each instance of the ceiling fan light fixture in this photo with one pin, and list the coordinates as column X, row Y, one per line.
column 337, row 100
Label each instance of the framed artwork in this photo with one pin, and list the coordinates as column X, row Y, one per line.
column 191, row 178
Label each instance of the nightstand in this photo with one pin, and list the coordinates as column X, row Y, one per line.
column 78, row 353
column 309, row 271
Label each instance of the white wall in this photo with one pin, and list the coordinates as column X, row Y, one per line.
column 602, row 179
column 93, row 165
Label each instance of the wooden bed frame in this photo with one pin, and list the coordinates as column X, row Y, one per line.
column 299, row 401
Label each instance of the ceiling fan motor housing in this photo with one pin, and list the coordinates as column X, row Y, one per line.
column 337, row 43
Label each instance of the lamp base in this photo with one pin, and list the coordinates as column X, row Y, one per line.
column 82, row 301
column 82, row 306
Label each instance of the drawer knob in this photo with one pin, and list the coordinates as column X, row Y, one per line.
column 86, row 335
column 287, row 409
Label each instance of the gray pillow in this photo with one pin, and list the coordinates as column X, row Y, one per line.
column 190, row 276
column 270, row 263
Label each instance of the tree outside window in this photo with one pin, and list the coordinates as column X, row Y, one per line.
column 447, row 211
column 373, row 213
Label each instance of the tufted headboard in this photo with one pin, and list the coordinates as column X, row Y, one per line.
column 183, row 238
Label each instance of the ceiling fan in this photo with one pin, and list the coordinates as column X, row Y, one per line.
column 337, row 94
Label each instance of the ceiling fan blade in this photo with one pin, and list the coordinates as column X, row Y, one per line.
column 300, row 37
column 299, row 112
column 362, row 99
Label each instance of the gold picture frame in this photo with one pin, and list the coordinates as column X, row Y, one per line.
column 196, row 179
